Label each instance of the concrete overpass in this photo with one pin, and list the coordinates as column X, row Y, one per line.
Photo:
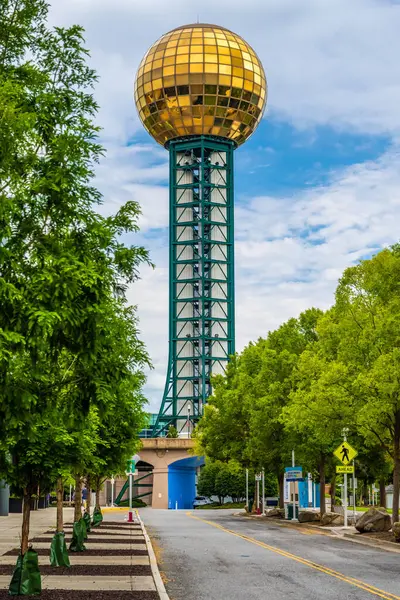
column 166, row 474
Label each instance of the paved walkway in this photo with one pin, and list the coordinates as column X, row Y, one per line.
column 41, row 520
column 115, row 566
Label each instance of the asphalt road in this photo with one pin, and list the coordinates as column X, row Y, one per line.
column 234, row 558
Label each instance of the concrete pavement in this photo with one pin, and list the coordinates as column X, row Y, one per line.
column 41, row 520
column 116, row 563
column 213, row 555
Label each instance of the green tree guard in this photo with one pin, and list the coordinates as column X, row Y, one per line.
column 26, row 579
column 58, row 551
column 97, row 517
column 78, row 537
column 84, row 529
column 86, row 518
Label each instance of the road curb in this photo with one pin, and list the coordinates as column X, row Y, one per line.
column 330, row 532
column 162, row 592
column 379, row 545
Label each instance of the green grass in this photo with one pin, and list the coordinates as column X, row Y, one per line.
column 221, row 506
column 365, row 508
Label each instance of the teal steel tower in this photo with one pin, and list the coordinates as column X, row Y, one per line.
column 200, row 92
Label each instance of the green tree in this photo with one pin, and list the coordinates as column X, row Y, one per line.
column 172, row 432
column 60, row 261
column 243, row 418
column 349, row 378
column 206, row 482
column 369, row 302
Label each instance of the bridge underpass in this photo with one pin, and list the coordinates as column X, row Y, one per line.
column 166, row 475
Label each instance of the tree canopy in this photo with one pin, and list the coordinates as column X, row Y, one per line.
column 312, row 377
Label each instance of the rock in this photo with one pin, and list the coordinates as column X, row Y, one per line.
column 374, row 520
column 333, row 519
column 278, row 513
column 308, row 516
column 396, row 532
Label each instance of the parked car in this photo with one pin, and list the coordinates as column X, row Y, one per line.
column 201, row 501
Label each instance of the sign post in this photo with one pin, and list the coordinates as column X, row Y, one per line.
column 294, row 490
column 263, row 491
column 294, row 474
column 258, row 479
column 346, row 454
column 247, row 489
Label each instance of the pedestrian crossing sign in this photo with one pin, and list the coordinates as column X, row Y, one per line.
column 344, row 469
column 345, row 453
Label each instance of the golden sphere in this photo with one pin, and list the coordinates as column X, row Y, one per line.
column 200, row 80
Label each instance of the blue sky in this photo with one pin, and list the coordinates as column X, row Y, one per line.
column 317, row 185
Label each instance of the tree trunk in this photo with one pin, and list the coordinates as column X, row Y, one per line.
column 281, row 490
column 396, row 469
column 89, row 495
column 98, row 487
column 78, row 498
column 361, row 492
column 382, row 491
column 26, row 516
column 60, row 498
column 322, row 485
column 333, row 491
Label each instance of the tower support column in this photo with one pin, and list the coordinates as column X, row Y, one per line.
column 201, row 268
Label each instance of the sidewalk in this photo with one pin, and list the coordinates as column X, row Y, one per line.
column 115, row 566
column 41, row 520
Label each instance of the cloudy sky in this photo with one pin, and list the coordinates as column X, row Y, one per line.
column 318, row 184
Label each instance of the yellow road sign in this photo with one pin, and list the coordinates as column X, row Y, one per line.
column 345, row 453
column 345, row 469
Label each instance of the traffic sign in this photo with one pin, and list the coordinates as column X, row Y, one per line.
column 293, row 473
column 344, row 469
column 258, row 476
column 345, row 453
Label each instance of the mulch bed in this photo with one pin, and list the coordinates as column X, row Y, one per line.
column 91, row 552
column 68, row 534
column 382, row 536
column 93, row 595
column 90, row 541
column 110, row 531
column 109, row 570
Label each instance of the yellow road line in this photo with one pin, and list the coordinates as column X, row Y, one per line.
column 351, row 580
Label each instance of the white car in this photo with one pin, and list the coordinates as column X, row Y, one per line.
column 201, row 501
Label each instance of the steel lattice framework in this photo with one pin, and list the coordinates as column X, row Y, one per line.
column 201, row 321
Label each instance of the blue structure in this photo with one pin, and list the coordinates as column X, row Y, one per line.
column 305, row 500
column 182, row 482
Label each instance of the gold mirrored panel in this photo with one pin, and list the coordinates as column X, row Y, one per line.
column 200, row 80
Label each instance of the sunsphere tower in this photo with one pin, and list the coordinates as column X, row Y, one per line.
column 200, row 92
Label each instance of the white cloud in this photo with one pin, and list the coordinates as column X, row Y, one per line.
column 328, row 62
column 290, row 253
